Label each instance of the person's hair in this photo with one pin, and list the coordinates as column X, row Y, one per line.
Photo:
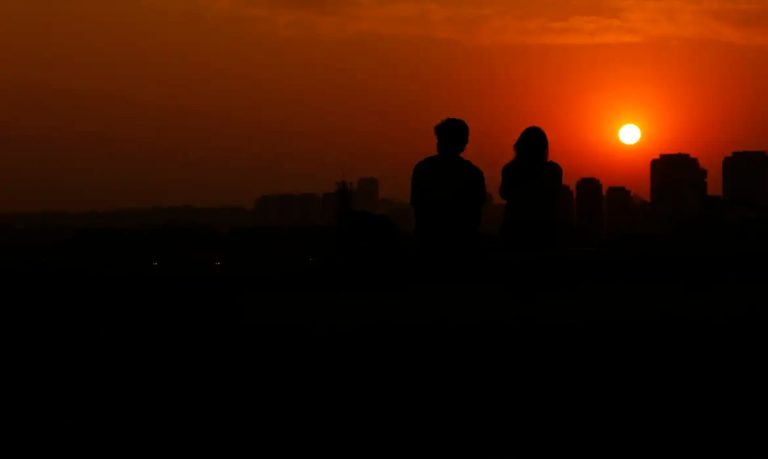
column 453, row 131
column 532, row 145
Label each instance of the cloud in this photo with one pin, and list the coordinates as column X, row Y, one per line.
column 517, row 21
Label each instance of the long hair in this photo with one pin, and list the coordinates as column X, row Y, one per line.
column 532, row 145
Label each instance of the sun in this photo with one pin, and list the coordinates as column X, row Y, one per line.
column 630, row 134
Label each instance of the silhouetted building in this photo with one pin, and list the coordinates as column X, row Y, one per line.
column 619, row 210
column 566, row 215
column 589, row 207
column 678, row 188
column 329, row 208
column 400, row 213
column 289, row 209
column 567, row 206
column 346, row 199
column 745, row 178
column 368, row 194
column 643, row 223
column 219, row 218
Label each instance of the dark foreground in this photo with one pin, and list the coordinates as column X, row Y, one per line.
column 611, row 352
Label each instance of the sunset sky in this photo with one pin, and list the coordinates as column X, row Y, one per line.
column 121, row 103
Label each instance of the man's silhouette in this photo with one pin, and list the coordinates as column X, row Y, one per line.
column 447, row 191
column 532, row 186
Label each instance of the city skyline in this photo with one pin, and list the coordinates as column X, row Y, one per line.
column 144, row 103
column 385, row 228
column 588, row 211
column 754, row 158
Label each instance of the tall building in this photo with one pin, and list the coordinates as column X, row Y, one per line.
column 566, row 206
column 745, row 178
column 619, row 210
column 368, row 194
column 678, row 188
column 566, row 213
column 589, row 207
column 346, row 198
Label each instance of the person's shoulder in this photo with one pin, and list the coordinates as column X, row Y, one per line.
column 554, row 168
column 472, row 167
column 469, row 164
column 512, row 169
column 425, row 164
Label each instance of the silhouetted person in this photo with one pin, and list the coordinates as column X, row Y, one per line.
column 447, row 191
column 532, row 187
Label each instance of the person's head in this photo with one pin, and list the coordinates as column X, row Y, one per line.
column 452, row 136
column 532, row 145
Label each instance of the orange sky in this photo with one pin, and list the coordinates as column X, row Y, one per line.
column 212, row 102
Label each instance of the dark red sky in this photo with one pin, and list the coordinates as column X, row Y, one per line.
column 212, row 102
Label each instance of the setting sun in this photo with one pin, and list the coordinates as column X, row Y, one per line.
column 630, row 134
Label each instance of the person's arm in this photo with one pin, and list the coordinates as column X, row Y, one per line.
column 481, row 197
column 415, row 188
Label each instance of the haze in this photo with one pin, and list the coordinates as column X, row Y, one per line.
column 137, row 103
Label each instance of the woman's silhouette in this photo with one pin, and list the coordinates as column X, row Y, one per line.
column 531, row 186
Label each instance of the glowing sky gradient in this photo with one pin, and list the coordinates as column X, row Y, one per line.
column 213, row 102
